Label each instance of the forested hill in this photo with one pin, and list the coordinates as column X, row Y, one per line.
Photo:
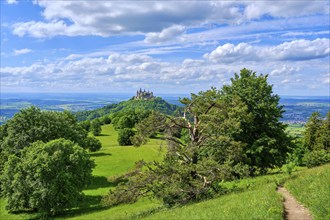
column 157, row 104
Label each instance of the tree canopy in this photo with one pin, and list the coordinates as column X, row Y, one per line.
column 32, row 124
column 316, row 140
column 265, row 137
column 47, row 177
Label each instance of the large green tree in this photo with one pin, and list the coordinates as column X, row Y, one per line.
column 32, row 124
column 47, row 177
column 317, row 140
column 266, row 141
column 313, row 131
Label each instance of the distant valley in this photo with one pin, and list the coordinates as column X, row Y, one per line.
column 297, row 109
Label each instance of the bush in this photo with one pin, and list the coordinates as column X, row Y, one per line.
column 92, row 144
column 105, row 120
column 86, row 125
column 289, row 168
column 96, row 127
column 47, row 177
column 124, row 136
column 125, row 122
column 316, row 158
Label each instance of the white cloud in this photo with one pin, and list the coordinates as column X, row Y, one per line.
column 126, row 72
column 229, row 53
column 284, row 70
column 158, row 19
column 300, row 50
column 295, row 50
column 257, row 9
column 12, row 2
column 167, row 34
column 21, row 51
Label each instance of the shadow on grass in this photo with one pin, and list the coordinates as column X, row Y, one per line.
column 99, row 182
column 100, row 154
column 88, row 205
column 103, row 135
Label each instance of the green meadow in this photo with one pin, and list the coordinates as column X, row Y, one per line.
column 251, row 198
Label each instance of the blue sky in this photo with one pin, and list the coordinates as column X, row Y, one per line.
column 164, row 46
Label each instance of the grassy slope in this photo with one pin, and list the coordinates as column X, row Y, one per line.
column 110, row 160
column 311, row 187
column 295, row 130
column 257, row 199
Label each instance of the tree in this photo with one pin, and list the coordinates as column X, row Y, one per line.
column 47, row 177
column 85, row 125
column 124, row 136
column 32, row 124
column 195, row 164
column 266, row 142
column 106, row 120
column 323, row 140
column 92, row 144
column 224, row 135
column 312, row 131
column 96, row 127
column 126, row 121
column 317, row 140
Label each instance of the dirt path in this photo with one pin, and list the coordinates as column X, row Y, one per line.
column 293, row 210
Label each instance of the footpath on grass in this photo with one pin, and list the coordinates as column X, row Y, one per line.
column 292, row 209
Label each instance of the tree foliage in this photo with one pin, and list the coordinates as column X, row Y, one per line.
column 47, row 177
column 92, row 143
column 265, row 137
column 96, row 127
column 32, row 124
column 317, row 140
column 124, row 136
column 316, row 133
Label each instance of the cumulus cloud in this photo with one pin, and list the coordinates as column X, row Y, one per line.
column 21, row 51
column 157, row 19
column 118, row 71
column 295, row 50
column 167, row 34
column 284, row 70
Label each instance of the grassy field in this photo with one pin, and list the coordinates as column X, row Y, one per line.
column 311, row 187
column 251, row 198
column 295, row 130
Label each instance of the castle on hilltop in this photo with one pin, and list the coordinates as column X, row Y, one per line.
column 144, row 94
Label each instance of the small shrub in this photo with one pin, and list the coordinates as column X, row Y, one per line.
column 92, row 144
column 96, row 127
column 316, row 158
column 106, row 120
column 124, row 136
column 289, row 168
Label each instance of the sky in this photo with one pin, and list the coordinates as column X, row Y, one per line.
column 169, row 47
